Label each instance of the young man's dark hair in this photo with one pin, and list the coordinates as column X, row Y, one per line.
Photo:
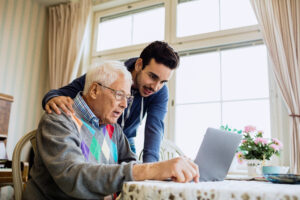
column 162, row 53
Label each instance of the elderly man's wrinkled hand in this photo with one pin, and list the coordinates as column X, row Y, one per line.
column 181, row 169
column 62, row 102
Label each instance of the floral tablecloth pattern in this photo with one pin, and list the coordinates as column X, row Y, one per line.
column 228, row 189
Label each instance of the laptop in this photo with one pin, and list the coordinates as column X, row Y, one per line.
column 216, row 154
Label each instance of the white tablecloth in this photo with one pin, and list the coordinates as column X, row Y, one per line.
column 228, row 189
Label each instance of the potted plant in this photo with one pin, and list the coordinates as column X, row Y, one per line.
column 255, row 149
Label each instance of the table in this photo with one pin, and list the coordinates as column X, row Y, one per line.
column 5, row 105
column 228, row 189
column 6, row 172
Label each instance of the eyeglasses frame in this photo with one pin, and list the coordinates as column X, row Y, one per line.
column 129, row 98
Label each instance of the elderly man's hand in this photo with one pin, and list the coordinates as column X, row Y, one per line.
column 179, row 169
column 65, row 103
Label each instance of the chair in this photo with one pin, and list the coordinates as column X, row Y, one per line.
column 168, row 150
column 16, row 163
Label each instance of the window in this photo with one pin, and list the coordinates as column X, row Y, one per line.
column 221, row 87
column 223, row 75
column 132, row 27
column 212, row 15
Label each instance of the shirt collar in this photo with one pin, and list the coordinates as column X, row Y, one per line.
column 134, row 91
column 81, row 106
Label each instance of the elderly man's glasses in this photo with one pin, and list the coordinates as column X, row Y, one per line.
column 120, row 95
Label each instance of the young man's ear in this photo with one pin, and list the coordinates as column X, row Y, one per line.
column 138, row 64
column 93, row 91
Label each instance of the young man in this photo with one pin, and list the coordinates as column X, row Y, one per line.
column 85, row 155
column 150, row 72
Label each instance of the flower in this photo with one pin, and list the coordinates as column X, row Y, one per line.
column 275, row 147
column 277, row 142
column 239, row 157
column 260, row 140
column 254, row 145
column 260, row 132
column 249, row 129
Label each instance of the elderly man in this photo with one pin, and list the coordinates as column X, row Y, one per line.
column 86, row 155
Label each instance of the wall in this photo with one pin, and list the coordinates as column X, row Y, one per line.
column 23, row 63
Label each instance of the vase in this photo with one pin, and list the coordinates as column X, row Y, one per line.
column 254, row 168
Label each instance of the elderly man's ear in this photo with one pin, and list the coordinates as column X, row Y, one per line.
column 93, row 91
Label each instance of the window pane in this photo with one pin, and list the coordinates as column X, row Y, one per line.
column 140, row 137
column 149, row 26
column 198, row 78
column 245, row 73
column 142, row 26
column 201, row 103
column 240, row 114
column 204, row 16
column 236, row 13
column 191, row 124
column 195, row 17
column 114, row 33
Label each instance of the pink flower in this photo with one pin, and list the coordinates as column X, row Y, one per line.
column 249, row 129
column 261, row 140
column 239, row 156
column 277, row 142
column 275, row 147
column 244, row 141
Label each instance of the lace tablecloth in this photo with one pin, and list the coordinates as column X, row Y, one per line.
column 228, row 189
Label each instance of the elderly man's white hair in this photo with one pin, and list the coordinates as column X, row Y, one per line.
column 106, row 73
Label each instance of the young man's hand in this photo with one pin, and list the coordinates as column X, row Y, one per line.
column 179, row 169
column 63, row 102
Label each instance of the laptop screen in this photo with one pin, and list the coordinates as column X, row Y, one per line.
column 216, row 154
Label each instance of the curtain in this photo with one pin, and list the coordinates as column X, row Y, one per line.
column 67, row 34
column 279, row 22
